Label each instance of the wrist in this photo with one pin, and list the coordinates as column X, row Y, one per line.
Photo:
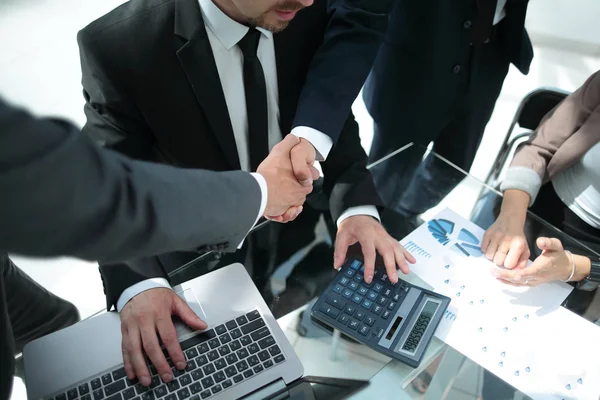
column 514, row 205
column 582, row 269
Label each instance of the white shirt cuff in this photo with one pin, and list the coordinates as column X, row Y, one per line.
column 140, row 287
column 264, row 193
column 320, row 141
column 359, row 210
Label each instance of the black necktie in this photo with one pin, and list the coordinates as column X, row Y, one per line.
column 486, row 9
column 256, row 99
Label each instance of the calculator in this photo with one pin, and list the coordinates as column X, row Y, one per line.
column 396, row 320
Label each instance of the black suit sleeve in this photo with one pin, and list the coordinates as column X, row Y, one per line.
column 112, row 118
column 342, row 63
column 60, row 194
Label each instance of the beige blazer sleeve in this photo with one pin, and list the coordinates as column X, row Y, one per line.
column 565, row 134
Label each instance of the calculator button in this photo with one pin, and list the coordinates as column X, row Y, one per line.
column 377, row 309
column 358, row 278
column 353, row 324
column 347, row 293
column 359, row 315
column 357, row 299
column 391, row 305
column 344, row 281
column 349, row 273
column 396, row 297
column 376, row 331
column 364, row 330
column 329, row 310
column 339, row 288
column 367, row 304
column 343, row 319
column 383, row 301
column 335, row 301
column 349, row 309
column 372, row 296
column 384, row 277
column 386, row 314
column 353, row 285
column 387, row 292
column 355, row 264
column 378, row 287
column 362, row 290
column 369, row 321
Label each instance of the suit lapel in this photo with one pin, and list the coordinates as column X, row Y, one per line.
column 197, row 59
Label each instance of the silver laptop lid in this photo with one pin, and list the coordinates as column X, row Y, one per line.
column 74, row 355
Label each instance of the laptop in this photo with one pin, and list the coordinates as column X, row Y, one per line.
column 243, row 354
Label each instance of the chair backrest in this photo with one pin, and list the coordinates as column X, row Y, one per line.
column 529, row 114
column 537, row 104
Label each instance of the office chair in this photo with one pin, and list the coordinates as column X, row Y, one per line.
column 529, row 114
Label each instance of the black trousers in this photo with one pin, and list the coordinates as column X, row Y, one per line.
column 550, row 208
column 410, row 185
column 27, row 312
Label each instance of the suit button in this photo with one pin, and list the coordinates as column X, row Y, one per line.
column 456, row 69
column 467, row 24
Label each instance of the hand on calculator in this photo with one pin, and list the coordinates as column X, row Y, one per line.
column 373, row 239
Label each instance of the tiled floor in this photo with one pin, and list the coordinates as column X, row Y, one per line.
column 39, row 69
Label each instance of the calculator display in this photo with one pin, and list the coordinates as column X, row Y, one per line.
column 414, row 338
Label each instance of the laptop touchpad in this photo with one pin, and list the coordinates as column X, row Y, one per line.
column 189, row 296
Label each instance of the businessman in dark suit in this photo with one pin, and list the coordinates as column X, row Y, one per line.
column 436, row 79
column 62, row 195
column 188, row 83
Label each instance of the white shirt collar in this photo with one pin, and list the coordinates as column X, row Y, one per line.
column 228, row 31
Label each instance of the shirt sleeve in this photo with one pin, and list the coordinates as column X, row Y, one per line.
column 140, row 287
column 264, row 192
column 359, row 210
column 320, row 141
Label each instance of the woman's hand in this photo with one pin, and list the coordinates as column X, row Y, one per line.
column 504, row 243
column 554, row 264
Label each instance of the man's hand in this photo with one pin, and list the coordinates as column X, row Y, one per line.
column 286, row 195
column 373, row 238
column 146, row 314
column 303, row 157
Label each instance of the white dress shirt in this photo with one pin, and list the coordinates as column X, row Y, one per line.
column 224, row 34
column 500, row 12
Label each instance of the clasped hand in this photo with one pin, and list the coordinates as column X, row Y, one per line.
column 289, row 171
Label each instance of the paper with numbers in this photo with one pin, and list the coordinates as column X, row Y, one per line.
column 522, row 335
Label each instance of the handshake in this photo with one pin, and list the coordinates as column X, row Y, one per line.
column 289, row 173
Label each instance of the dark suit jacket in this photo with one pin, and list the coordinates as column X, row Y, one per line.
column 62, row 195
column 341, row 64
column 412, row 84
column 153, row 92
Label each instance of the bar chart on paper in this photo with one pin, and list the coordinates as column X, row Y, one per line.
column 520, row 334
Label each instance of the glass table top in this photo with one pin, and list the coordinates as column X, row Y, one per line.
column 324, row 354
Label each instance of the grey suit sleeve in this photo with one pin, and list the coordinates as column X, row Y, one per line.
column 60, row 194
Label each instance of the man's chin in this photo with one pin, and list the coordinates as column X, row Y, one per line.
column 272, row 23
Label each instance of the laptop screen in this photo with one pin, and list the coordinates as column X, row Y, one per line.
column 319, row 388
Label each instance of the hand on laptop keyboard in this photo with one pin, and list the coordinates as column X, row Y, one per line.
column 146, row 314
column 373, row 239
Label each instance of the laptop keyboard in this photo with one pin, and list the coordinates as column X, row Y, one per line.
column 217, row 360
